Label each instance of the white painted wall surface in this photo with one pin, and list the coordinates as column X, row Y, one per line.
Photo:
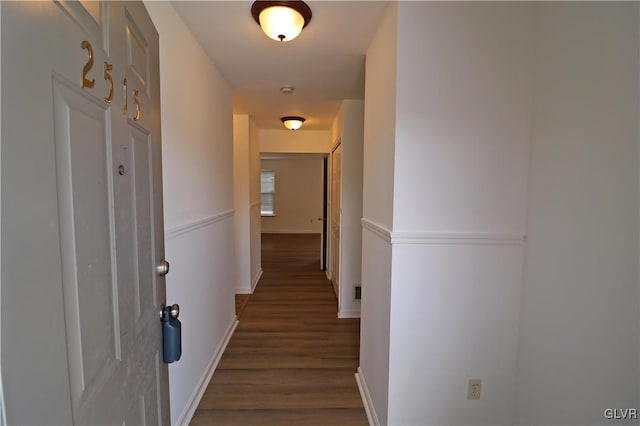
column 299, row 141
column 197, row 144
column 242, row 203
column 463, row 113
column 379, row 140
column 580, row 313
column 374, row 317
column 246, row 190
column 380, row 121
column 298, row 196
column 349, row 128
column 462, row 132
column 454, row 316
column 254, row 199
column 3, row 417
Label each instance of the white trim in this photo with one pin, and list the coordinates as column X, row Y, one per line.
column 337, row 143
column 377, row 229
column 254, row 283
column 456, row 238
column 366, row 399
column 242, row 290
column 192, row 403
column 349, row 314
column 440, row 238
column 197, row 224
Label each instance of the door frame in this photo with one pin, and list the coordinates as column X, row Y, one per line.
column 325, row 209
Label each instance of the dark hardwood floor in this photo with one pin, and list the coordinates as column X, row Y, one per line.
column 291, row 361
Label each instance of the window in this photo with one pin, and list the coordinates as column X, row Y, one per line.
column 267, row 192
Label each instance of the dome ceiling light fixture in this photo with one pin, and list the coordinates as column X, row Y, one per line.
column 292, row 122
column 281, row 20
column 287, row 90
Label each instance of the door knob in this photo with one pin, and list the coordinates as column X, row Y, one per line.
column 163, row 268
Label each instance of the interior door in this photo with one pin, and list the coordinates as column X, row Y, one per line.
column 336, row 212
column 82, row 227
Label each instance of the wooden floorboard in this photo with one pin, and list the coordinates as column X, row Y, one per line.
column 291, row 361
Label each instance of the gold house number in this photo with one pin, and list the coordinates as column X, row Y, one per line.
column 136, row 102
column 87, row 67
column 108, row 68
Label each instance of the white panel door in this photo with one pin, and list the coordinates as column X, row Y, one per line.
column 82, row 228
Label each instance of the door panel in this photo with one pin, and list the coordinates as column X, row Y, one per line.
column 83, row 147
column 141, row 204
column 91, row 17
column 137, row 52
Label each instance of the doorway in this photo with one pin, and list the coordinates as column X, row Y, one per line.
column 297, row 197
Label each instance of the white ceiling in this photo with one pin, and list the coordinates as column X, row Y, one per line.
column 325, row 63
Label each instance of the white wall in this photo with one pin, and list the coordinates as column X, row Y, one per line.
column 198, row 204
column 3, row 419
column 241, row 203
column 254, row 200
column 580, row 314
column 460, row 186
column 299, row 141
column 348, row 127
column 463, row 110
column 380, row 122
column 509, row 117
column 454, row 316
column 379, row 140
column 246, row 201
column 298, row 196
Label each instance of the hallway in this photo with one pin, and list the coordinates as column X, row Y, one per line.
column 291, row 361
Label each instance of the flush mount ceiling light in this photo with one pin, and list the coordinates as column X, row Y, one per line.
column 281, row 20
column 292, row 122
column 287, row 90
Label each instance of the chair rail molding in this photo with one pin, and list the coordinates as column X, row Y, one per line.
column 444, row 237
column 197, row 224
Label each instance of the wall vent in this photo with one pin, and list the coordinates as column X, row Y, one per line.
column 358, row 292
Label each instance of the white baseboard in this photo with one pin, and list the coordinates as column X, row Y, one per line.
column 255, row 280
column 192, row 404
column 366, row 399
column 349, row 314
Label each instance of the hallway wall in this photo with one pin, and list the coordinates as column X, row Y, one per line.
column 461, row 155
column 299, row 141
column 579, row 348
column 348, row 127
column 509, row 118
column 377, row 211
column 246, row 202
column 198, row 205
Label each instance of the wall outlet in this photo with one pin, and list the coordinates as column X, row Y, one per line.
column 358, row 292
column 473, row 390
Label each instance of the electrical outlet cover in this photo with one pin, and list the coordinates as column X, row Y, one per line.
column 473, row 390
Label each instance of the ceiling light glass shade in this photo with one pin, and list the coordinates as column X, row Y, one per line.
column 281, row 23
column 281, row 20
column 292, row 123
